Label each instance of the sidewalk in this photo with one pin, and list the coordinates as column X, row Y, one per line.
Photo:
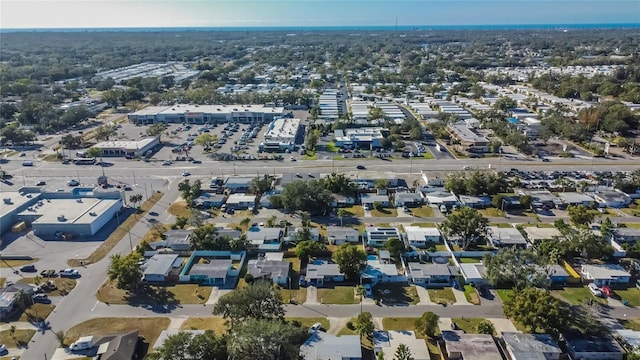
column 20, row 325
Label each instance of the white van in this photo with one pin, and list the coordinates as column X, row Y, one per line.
column 595, row 290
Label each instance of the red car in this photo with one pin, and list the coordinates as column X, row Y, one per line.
column 608, row 292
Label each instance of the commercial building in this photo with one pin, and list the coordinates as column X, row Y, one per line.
column 60, row 215
column 134, row 148
column 283, row 130
column 206, row 114
column 467, row 138
column 360, row 138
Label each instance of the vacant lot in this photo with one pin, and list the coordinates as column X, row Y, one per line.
column 64, row 285
column 442, row 296
column 155, row 295
column 396, row 294
column 20, row 338
column 205, row 323
column 423, row 211
column 337, row 295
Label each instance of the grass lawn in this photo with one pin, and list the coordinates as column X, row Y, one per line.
column 471, row 294
column 505, row 294
column 2, row 281
column 366, row 342
column 205, row 323
column 402, row 323
column 179, row 293
column 631, row 212
column 469, row 325
column 308, row 321
column 22, row 338
column 179, row 208
column 492, row 212
column 396, row 294
column 577, row 295
column 466, row 260
column 423, row 211
column 501, row 225
column 310, row 155
column 442, row 296
column 38, row 310
column 149, row 327
column 385, row 212
column 633, row 225
column 298, row 295
column 64, row 285
column 15, row 263
column 338, row 295
column 424, row 224
column 356, row 211
column 330, row 146
column 428, row 155
column 633, row 324
column 632, row 295
column 117, row 234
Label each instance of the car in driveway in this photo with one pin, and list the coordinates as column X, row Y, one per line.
column 315, row 327
column 608, row 292
column 41, row 298
column 368, row 291
column 69, row 273
column 595, row 290
column 28, row 268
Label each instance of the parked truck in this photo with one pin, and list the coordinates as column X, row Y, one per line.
column 84, row 343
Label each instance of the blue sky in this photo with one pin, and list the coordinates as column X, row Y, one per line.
column 297, row 13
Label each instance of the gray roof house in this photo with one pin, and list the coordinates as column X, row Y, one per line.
column 612, row 198
column 378, row 236
column 387, row 342
column 575, row 198
column 321, row 271
column 159, row 266
column 275, row 270
column 500, row 237
column 582, row 346
column 407, row 199
column 531, row 346
column 323, row 346
column 340, row 235
column 607, row 274
column 265, row 239
column 478, row 202
column 432, row 274
column 470, row 346
column 237, row 183
column 370, row 199
column 8, row 296
column 176, row 240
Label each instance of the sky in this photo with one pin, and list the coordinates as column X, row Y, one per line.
column 17, row 14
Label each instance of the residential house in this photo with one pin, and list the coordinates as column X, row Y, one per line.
column 612, row 199
column 289, row 177
column 473, row 273
column 521, row 346
column 607, row 274
column 265, row 239
column 432, row 274
column 320, row 271
column 231, row 233
column 323, row 346
column 556, row 274
column 387, row 342
column 477, row 202
column 209, row 200
column 542, row 198
column 369, row 200
column 238, row 183
column 117, row 347
column 378, row 271
column 630, row 337
column 176, row 240
column 9, row 295
column 340, row 201
column 269, row 267
column 626, row 235
column 575, row 199
column 409, row 199
column 506, row 237
column 241, row 201
column 440, row 197
column 536, row 234
column 217, row 268
column 160, row 266
column 314, row 233
column 422, row 237
column 341, row 235
column 378, row 236
column 461, row 346
column 592, row 347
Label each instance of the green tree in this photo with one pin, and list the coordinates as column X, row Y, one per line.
column 187, row 346
column 261, row 185
column 265, row 339
column 538, row 310
column 485, row 327
column 135, row 199
column 364, row 325
column 111, row 97
column 351, row 260
column 581, row 215
column 70, row 142
column 206, row 140
column 94, row 152
column 467, row 224
column 311, row 140
column 104, row 132
column 519, row 268
column 505, row 104
column 259, row 301
column 526, row 201
column 403, row 353
column 427, row 324
column 308, row 248
column 12, row 332
column 306, row 196
column 396, row 248
column 126, row 271
column 156, row 130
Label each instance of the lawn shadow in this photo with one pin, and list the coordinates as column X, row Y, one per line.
column 157, row 298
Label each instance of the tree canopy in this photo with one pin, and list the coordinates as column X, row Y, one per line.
column 126, row 270
column 259, row 301
column 467, row 225
column 538, row 310
column 351, row 260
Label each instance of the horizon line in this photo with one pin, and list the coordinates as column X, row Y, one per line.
column 331, row 27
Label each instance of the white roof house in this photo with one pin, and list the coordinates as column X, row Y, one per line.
column 511, row 236
column 421, row 236
column 378, row 236
column 607, row 274
column 531, row 346
column 323, row 346
column 536, row 234
column 387, row 342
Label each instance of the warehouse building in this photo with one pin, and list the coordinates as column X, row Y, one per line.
column 206, row 114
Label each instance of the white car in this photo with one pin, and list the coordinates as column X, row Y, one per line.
column 595, row 290
column 315, row 327
column 69, row 273
column 3, row 349
column 73, row 182
column 186, row 173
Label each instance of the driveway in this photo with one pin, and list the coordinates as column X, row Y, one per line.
column 503, row 325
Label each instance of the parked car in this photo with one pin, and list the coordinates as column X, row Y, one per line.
column 28, row 268
column 360, row 167
column 186, row 173
column 3, row 349
column 368, row 291
column 608, row 292
column 41, row 183
column 73, row 182
column 595, row 290
column 48, row 273
column 167, row 162
column 41, row 298
column 315, row 327
column 69, row 273
column 302, row 281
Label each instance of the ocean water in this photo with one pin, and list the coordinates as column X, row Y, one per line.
column 343, row 28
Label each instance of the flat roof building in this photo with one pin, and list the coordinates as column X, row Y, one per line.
column 531, row 346
column 467, row 137
column 367, row 137
column 204, row 114
column 470, row 346
column 134, row 148
column 283, row 130
column 323, row 346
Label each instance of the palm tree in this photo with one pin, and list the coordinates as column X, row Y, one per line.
column 12, row 332
column 342, row 213
column 360, row 292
